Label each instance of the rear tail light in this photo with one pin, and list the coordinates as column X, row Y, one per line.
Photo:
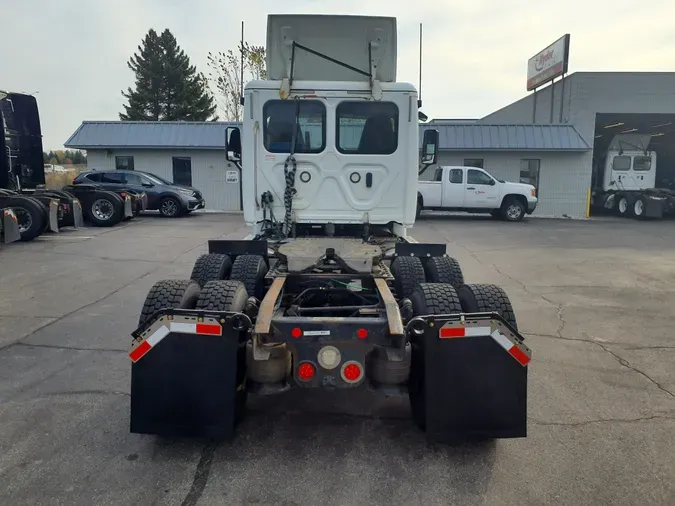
column 351, row 372
column 362, row 333
column 306, row 371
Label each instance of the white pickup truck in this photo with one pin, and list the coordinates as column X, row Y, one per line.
column 476, row 191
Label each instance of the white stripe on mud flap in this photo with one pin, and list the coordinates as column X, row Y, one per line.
column 158, row 335
column 476, row 331
column 502, row 340
column 187, row 328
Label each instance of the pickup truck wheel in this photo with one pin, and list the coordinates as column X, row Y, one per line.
column 444, row 270
column 408, row 272
column 169, row 294
column 427, row 299
column 513, row 209
column 211, row 267
column 487, row 299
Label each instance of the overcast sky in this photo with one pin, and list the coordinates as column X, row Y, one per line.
column 73, row 53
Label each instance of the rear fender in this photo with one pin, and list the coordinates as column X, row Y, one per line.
column 474, row 376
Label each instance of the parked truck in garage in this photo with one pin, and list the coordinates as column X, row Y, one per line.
column 624, row 180
column 475, row 190
column 329, row 291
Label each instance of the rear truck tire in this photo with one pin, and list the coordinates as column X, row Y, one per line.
column 513, row 209
column 250, row 270
column 230, row 296
column 487, row 299
column 169, row 294
column 29, row 214
column 105, row 209
column 444, row 270
column 624, row 205
column 170, row 207
column 427, row 299
column 211, row 267
column 640, row 208
column 408, row 272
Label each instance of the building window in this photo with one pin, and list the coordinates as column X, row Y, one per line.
column 474, row 162
column 367, row 128
column 529, row 172
column 457, row 176
column 124, row 162
column 279, row 118
column 182, row 170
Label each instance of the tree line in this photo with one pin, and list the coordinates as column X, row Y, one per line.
column 167, row 87
column 64, row 157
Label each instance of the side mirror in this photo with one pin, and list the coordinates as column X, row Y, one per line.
column 492, row 182
column 148, row 185
column 233, row 144
column 430, row 147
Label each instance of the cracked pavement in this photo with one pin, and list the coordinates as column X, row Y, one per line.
column 593, row 299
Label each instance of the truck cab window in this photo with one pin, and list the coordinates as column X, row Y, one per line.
column 621, row 163
column 642, row 163
column 367, row 128
column 279, row 118
column 478, row 177
column 438, row 176
column 456, row 176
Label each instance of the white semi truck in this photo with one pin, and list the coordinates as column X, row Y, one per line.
column 625, row 180
column 329, row 291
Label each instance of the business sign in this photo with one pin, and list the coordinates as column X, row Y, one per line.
column 549, row 63
column 232, row 176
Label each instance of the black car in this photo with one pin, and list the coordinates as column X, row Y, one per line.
column 169, row 198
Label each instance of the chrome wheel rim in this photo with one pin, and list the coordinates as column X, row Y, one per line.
column 623, row 205
column 169, row 207
column 103, row 209
column 639, row 208
column 513, row 212
column 23, row 219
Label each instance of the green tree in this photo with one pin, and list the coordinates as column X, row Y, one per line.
column 167, row 86
column 225, row 76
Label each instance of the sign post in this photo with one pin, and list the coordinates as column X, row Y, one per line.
column 545, row 66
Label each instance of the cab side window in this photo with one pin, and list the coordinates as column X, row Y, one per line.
column 457, row 176
column 478, row 177
column 438, row 175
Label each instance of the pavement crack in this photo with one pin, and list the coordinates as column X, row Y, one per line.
column 87, row 392
column 559, row 314
column 60, row 347
column 600, row 420
column 201, row 475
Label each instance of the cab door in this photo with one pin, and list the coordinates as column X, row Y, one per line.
column 481, row 190
column 453, row 188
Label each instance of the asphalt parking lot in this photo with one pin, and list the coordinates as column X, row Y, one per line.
column 594, row 298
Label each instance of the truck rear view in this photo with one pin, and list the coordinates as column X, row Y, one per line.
column 329, row 291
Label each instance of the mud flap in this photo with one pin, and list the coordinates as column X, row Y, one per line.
column 473, row 386
column 10, row 227
column 183, row 383
column 128, row 212
column 78, row 220
column 54, row 215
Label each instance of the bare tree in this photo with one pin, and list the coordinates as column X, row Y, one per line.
column 225, row 77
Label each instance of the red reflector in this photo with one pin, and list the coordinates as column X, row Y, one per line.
column 519, row 355
column 352, row 372
column 306, row 371
column 139, row 351
column 296, row 332
column 362, row 333
column 450, row 332
column 208, row 329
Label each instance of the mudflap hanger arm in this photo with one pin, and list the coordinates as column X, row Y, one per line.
column 475, row 376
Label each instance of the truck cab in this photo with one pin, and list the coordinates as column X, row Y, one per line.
column 475, row 190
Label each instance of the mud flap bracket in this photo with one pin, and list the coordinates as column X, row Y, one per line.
column 187, row 374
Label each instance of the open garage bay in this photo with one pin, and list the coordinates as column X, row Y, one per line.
column 594, row 299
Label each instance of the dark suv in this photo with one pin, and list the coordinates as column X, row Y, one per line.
column 169, row 198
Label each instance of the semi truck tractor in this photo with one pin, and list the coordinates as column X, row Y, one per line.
column 329, row 291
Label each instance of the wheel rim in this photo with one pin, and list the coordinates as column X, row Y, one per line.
column 513, row 211
column 639, row 208
column 623, row 205
column 103, row 209
column 23, row 219
column 169, row 207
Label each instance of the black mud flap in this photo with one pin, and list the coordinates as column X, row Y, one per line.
column 475, row 378
column 54, row 215
column 128, row 211
column 184, row 377
column 76, row 209
column 10, row 227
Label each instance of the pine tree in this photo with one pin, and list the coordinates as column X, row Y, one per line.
column 168, row 87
